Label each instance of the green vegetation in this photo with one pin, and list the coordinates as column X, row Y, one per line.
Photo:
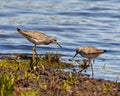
column 29, row 93
column 45, row 77
column 7, row 83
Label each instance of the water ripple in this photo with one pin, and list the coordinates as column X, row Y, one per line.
column 75, row 23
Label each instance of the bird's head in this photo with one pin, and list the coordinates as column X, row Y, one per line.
column 78, row 51
column 54, row 40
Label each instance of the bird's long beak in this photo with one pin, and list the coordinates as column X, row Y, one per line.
column 74, row 55
column 58, row 44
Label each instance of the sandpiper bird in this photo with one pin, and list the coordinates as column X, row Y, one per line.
column 38, row 38
column 90, row 53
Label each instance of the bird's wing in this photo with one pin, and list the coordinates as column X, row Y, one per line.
column 92, row 50
column 92, row 53
column 36, row 35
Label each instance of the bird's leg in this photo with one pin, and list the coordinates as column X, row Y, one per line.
column 33, row 55
column 91, row 67
column 93, row 61
column 34, row 49
column 34, row 52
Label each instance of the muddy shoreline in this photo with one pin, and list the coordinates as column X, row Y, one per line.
column 45, row 77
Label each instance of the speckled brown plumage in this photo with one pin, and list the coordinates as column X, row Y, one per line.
column 90, row 53
column 37, row 38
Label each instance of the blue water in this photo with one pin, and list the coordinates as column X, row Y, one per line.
column 75, row 23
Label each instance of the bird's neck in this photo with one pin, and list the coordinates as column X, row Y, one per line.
column 47, row 41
